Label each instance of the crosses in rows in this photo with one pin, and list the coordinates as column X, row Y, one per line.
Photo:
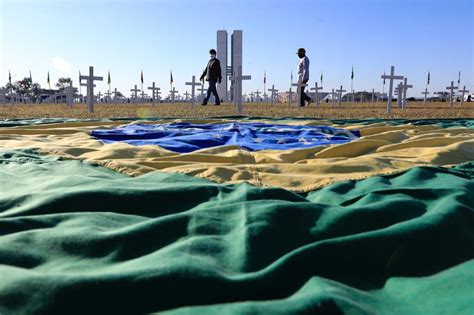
column 257, row 96
column 339, row 96
column 391, row 77
column 99, row 97
column 193, row 84
column 173, row 93
column 237, row 78
column 274, row 93
column 405, row 87
column 425, row 94
column 463, row 91
column 290, row 97
column 144, row 96
column 69, row 94
column 333, row 97
column 186, row 96
column 90, row 87
column 135, row 93
column 108, row 94
column 316, row 89
column 451, row 93
column 155, row 92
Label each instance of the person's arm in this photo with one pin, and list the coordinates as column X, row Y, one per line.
column 203, row 75
column 305, row 70
column 219, row 71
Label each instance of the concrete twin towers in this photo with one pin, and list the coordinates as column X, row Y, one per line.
column 235, row 59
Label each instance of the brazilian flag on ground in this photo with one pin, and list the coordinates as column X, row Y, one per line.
column 236, row 216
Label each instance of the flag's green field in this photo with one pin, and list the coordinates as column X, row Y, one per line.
column 414, row 110
column 77, row 237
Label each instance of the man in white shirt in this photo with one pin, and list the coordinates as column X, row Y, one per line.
column 303, row 75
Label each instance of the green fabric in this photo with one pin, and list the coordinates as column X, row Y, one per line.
column 78, row 238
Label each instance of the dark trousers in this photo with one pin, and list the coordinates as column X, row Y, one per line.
column 212, row 89
column 304, row 97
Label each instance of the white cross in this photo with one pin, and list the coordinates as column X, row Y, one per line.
column 425, row 93
column 274, row 91
column 155, row 92
column 333, row 96
column 298, row 85
column 316, row 89
column 339, row 97
column 143, row 94
column 69, row 95
column 135, row 93
column 257, row 96
column 290, row 97
column 237, row 79
column 186, row 95
column 108, row 93
column 90, row 87
column 463, row 91
column 99, row 96
column 451, row 92
column 405, row 87
column 391, row 77
column 399, row 92
column 202, row 89
column 193, row 84
column 173, row 92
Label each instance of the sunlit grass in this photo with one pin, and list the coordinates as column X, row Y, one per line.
column 414, row 110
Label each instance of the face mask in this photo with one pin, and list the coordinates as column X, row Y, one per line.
column 213, row 56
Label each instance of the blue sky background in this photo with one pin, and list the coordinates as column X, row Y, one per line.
column 157, row 36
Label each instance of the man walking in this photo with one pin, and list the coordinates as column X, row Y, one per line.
column 212, row 73
column 303, row 75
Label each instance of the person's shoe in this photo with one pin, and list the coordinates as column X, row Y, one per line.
column 217, row 104
column 204, row 104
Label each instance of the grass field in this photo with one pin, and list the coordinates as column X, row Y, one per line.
column 414, row 110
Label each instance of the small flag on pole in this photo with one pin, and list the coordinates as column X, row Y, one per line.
column 171, row 77
column 384, row 78
column 321, row 78
column 49, row 82
column 291, row 77
column 108, row 78
column 31, row 80
column 141, row 77
column 9, row 77
column 459, row 77
column 352, row 73
column 429, row 75
column 265, row 77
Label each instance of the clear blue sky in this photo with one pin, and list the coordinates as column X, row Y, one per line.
column 157, row 36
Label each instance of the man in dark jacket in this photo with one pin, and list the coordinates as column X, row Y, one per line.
column 212, row 73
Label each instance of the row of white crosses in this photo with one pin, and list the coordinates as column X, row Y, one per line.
column 451, row 89
column 237, row 79
column 401, row 90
